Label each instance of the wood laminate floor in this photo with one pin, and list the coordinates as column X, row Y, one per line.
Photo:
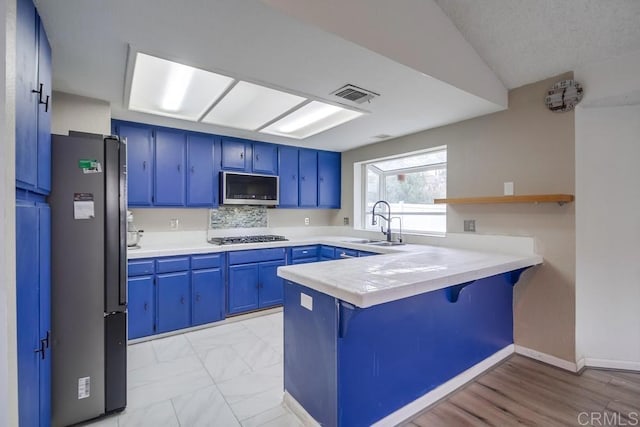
column 521, row 391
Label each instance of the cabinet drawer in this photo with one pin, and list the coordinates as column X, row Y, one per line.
column 167, row 265
column 257, row 255
column 327, row 252
column 141, row 267
column 304, row 252
column 199, row 262
column 346, row 253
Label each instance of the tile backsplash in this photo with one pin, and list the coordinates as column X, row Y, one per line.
column 238, row 217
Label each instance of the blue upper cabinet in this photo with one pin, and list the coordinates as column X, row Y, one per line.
column 170, row 175
column 33, row 101
column 308, row 167
column 236, row 155
column 170, row 167
column 202, row 181
column 288, row 167
column 139, row 163
column 329, row 179
column 265, row 158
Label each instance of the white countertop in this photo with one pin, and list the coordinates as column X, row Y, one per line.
column 368, row 281
column 402, row 272
column 202, row 247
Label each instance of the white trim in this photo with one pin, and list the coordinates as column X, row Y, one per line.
column 580, row 364
column 612, row 364
column 445, row 389
column 299, row 411
column 546, row 358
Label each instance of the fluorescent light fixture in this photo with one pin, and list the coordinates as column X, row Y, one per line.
column 171, row 89
column 310, row 119
column 249, row 106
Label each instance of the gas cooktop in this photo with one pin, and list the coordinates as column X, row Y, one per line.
column 246, row 239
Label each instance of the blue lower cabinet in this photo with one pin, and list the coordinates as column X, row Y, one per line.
column 271, row 286
column 304, row 260
column 141, row 306
column 173, row 301
column 342, row 253
column 243, row 288
column 33, row 300
column 365, row 253
column 207, row 299
column 351, row 366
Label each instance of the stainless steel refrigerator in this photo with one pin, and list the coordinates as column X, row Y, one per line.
column 89, row 265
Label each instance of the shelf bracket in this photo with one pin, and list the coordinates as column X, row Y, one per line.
column 514, row 276
column 345, row 312
column 453, row 292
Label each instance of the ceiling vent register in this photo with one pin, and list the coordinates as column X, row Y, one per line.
column 355, row 94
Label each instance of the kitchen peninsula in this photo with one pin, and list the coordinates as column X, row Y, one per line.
column 366, row 340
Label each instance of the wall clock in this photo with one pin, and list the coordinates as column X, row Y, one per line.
column 563, row 96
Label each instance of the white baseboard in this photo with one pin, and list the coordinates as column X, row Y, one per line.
column 443, row 390
column 612, row 364
column 299, row 411
column 580, row 364
column 547, row 358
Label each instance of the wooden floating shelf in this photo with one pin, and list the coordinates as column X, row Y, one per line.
column 561, row 199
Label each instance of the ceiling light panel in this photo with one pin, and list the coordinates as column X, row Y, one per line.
column 175, row 90
column 311, row 119
column 249, row 106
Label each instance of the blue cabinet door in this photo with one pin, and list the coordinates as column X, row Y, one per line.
column 208, row 296
column 139, row 163
column 271, row 286
column 202, row 182
column 44, row 113
column 288, row 173
column 170, row 175
column 44, row 254
column 141, row 306
column 28, row 304
column 242, row 288
column 235, row 155
column 26, row 99
column 265, row 158
column 308, row 161
column 328, row 179
column 174, row 301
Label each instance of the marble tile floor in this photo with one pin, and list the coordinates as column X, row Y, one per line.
column 228, row 375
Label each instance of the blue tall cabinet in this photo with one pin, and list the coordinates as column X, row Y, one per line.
column 33, row 217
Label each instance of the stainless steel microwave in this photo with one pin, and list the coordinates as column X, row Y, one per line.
column 249, row 189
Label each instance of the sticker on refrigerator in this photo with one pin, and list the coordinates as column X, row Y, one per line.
column 84, row 387
column 89, row 166
column 83, row 206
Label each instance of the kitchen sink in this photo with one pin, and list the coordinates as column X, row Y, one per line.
column 385, row 243
column 367, row 241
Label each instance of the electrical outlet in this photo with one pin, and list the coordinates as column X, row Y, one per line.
column 306, row 221
column 470, row 225
column 508, row 188
column 345, row 220
column 174, row 223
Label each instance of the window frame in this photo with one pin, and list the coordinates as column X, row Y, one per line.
column 366, row 166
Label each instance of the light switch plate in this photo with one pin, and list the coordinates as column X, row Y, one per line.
column 508, row 188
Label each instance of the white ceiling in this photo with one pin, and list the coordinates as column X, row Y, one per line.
column 428, row 75
column 525, row 41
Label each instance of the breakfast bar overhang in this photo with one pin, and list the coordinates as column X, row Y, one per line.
column 368, row 338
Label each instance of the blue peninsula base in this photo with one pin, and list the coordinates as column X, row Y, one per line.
column 351, row 366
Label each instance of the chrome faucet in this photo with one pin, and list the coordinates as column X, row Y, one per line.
column 386, row 218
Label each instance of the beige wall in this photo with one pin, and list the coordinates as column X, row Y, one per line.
column 534, row 148
column 78, row 113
